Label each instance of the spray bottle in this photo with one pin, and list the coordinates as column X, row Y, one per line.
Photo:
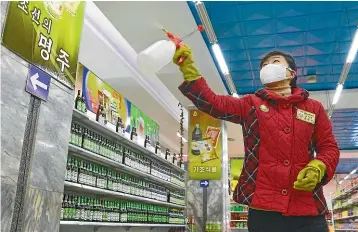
column 159, row 54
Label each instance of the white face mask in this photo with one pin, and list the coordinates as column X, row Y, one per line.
column 273, row 73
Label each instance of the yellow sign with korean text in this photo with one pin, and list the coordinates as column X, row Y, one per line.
column 46, row 34
column 204, row 155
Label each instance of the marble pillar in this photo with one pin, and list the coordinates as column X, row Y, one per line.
column 212, row 206
column 44, row 182
column 47, row 174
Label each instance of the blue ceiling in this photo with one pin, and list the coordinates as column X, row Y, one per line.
column 345, row 128
column 317, row 34
column 346, row 166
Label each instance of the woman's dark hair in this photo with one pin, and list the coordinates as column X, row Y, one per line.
column 289, row 59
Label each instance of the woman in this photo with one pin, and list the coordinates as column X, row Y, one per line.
column 282, row 178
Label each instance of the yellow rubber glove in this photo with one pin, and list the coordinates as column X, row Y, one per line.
column 190, row 72
column 310, row 176
column 235, row 176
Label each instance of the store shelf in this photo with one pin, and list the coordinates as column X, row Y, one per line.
column 347, row 206
column 239, row 212
column 120, row 167
column 102, row 129
column 346, row 193
column 103, row 192
column 110, row 224
column 345, row 218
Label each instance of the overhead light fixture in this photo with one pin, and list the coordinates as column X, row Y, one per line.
column 235, row 95
column 337, row 94
column 345, row 70
column 205, row 21
column 353, row 49
column 220, row 59
column 349, row 175
column 179, row 135
column 204, row 18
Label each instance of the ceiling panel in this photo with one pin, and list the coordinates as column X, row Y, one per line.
column 345, row 166
column 345, row 128
column 246, row 31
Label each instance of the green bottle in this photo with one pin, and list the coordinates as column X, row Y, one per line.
column 77, row 208
column 63, row 207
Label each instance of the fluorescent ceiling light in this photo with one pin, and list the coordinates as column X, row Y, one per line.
column 353, row 49
column 179, row 135
column 352, row 172
column 340, row 182
column 337, row 93
column 220, row 59
column 346, row 177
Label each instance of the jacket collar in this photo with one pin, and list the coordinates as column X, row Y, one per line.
column 298, row 95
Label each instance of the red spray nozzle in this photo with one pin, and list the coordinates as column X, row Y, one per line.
column 179, row 41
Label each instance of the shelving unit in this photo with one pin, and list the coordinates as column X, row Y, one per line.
column 76, row 189
column 236, row 215
column 345, row 208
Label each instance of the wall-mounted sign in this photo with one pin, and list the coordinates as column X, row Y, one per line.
column 204, row 155
column 97, row 92
column 46, row 34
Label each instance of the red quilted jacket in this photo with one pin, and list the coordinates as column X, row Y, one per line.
column 277, row 145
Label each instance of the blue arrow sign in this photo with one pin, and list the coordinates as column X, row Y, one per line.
column 38, row 83
column 204, row 183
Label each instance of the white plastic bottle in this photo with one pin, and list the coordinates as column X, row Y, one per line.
column 156, row 56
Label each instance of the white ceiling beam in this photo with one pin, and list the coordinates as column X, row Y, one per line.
column 96, row 21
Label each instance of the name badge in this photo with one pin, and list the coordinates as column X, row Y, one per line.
column 306, row 116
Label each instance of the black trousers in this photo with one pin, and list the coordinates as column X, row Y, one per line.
column 265, row 221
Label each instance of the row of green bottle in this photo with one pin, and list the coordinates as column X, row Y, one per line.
column 177, row 197
column 82, row 208
column 136, row 161
column 176, row 216
column 89, row 140
column 88, row 173
column 83, row 137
